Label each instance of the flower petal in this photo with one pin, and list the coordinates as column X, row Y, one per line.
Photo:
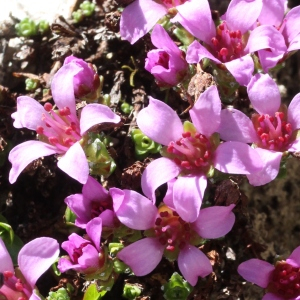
column 214, row 222
column 6, row 261
column 207, row 108
column 264, row 94
column 187, row 266
column 237, row 158
column 272, row 12
column 269, row 59
column 160, row 122
column 168, row 199
column 23, row 154
column 94, row 191
column 157, row 173
column 294, row 258
column 256, row 271
column 294, row 112
column 188, row 193
column 94, row 114
column 292, row 25
column 36, row 257
column 271, row 296
column 94, row 231
column 75, row 164
column 142, row 256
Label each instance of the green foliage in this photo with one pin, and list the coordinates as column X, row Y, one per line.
column 131, row 291
column 126, row 108
column 86, row 9
column 31, row 84
column 92, row 293
column 60, row 294
column 29, row 28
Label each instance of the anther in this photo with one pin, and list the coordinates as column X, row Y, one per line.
column 39, row 130
column 186, row 134
column 48, row 106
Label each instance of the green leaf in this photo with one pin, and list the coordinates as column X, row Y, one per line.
column 92, row 293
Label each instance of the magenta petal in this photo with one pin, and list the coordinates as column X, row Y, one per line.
column 207, row 108
column 168, row 199
column 23, row 154
column 75, row 164
column 6, row 262
column 108, row 218
column 236, row 17
column 294, row 44
column 76, row 203
column 256, row 271
column 133, row 210
column 294, row 112
column 94, row 231
column 292, row 27
column 272, row 12
column 160, row 122
column 294, row 258
column 94, row 191
column 271, row 163
column 94, row 114
column 139, row 17
column 236, row 126
column 89, row 258
column 142, row 256
column 64, row 264
column 157, row 173
column 36, row 257
column 294, row 146
column 271, row 296
column 187, row 196
column 241, row 69
column 29, row 113
column 269, row 59
column 237, row 158
column 214, row 222
column 193, row 263
column 264, row 94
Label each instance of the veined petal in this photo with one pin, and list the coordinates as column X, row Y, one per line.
column 94, row 114
column 272, row 12
column 6, row 262
column 188, row 193
column 187, row 266
column 94, row 231
column 236, row 126
column 237, row 158
column 256, row 271
column 94, row 191
column 36, row 257
column 160, row 122
column 271, row 163
column 139, row 17
column 294, row 258
column 142, row 256
column 133, row 210
column 157, row 173
column 75, row 164
column 29, row 113
column 23, row 154
column 294, row 112
column 264, row 94
column 207, row 108
column 214, row 222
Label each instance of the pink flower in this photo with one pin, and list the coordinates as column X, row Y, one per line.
column 281, row 281
column 192, row 151
column 34, row 259
column 272, row 130
column 59, row 130
column 167, row 63
column 168, row 234
column 139, row 17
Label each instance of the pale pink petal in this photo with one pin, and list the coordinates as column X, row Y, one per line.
column 269, row 59
column 142, row 256
column 193, row 263
column 264, row 94
column 94, row 231
column 271, row 296
column 23, row 154
column 139, row 17
column 94, row 114
column 133, row 210
column 157, row 173
column 272, row 12
column 271, row 163
column 207, row 108
column 294, row 44
column 188, row 193
column 241, row 15
column 6, row 262
column 29, row 113
column 237, row 158
column 189, row 15
column 94, row 191
column 168, row 199
column 294, row 146
column 256, row 271
column 236, row 126
column 294, row 258
column 36, row 257
column 294, row 112
column 75, row 164
column 241, row 69
column 292, row 26
column 160, row 122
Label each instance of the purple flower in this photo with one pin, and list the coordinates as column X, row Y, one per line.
column 281, row 281
column 166, row 63
column 34, row 259
column 85, row 255
column 139, row 17
column 192, row 151
column 59, row 130
column 168, row 234
column 272, row 130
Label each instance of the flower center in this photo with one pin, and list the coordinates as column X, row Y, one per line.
column 77, row 252
column 285, row 281
column 227, row 44
column 274, row 132
column 98, row 207
column 172, row 3
column 60, row 129
column 163, row 59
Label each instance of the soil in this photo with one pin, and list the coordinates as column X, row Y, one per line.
column 267, row 222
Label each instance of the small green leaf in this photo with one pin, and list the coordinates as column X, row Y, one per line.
column 92, row 293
